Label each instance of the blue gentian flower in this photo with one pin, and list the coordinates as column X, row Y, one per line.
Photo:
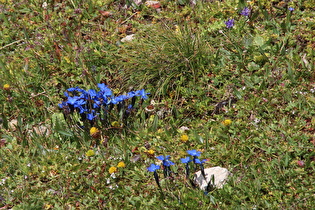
column 73, row 89
column 142, row 93
column 194, row 153
column 245, row 12
column 91, row 116
column 106, row 92
column 72, row 100
column 63, row 104
column 153, row 167
column 185, row 160
column 92, row 93
column 229, row 23
column 291, row 9
column 196, row 160
column 167, row 164
column 200, row 162
column 82, row 109
column 97, row 103
column 131, row 94
column 79, row 103
column 166, row 161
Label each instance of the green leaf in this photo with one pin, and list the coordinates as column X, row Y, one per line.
column 259, row 41
column 5, row 122
column 65, row 133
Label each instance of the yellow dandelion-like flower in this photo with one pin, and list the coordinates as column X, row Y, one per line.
column 184, row 138
column 94, row 132
column 90, row 153
column 227, row 122
column 6, row 87
column 150, row 152
column 121, row 165
column 112, row 170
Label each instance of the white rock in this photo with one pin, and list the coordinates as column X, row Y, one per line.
column 13, row 124
column 137, row 2
column 128, row 38
column 153, row 4
column 42, row 130
column 220, row 177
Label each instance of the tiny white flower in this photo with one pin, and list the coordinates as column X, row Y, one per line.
column 44, row 5
column 113, row 175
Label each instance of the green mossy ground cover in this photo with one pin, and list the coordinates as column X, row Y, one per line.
column 259, row 73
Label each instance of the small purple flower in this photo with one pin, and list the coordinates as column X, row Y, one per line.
column 245, row 12
column 229, row 23
column 291, row 9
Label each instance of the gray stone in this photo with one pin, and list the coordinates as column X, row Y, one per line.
column 219, row 174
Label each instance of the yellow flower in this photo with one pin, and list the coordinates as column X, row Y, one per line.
column 115, row 124
column 150, row 152
column 227, row 122
column 184, row 138
column 90, row 153
column 177, row 30
column 160, row 130
column 94, row 132
column 121, row 165
column 112, row 169
column 67, row 59
column 48, row 206
column 6, row 87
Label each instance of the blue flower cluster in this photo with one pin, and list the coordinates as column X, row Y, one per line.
column 92, row 104
column 166, row 163
column 194, row 153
